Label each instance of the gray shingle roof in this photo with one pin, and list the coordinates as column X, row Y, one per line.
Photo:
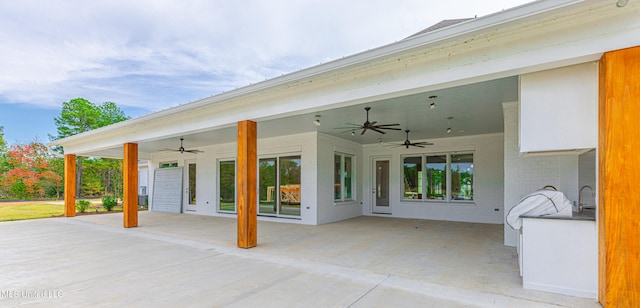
column 443, row 24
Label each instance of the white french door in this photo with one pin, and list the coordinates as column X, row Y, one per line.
column 189, row 186
column 380, row 186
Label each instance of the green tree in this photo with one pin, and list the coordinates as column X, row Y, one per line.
column 110, row 113
column 3, row 144
column 80, row 115
column 3, row 152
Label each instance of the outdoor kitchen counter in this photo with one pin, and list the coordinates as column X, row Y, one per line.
column 560, row 254
column 589, row 215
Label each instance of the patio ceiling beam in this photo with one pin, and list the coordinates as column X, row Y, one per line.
column 618, row 210
column 130, row 175
column 247, row 184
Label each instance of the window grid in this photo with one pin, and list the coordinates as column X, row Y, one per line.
column 434, row 177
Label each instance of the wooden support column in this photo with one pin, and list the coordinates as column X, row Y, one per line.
column 130, row 175
column 70, row 185
column 618, row 161
column 247, row 184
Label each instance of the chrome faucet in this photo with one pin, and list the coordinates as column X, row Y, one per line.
column 580, row 204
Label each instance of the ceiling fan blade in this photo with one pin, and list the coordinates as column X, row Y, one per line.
column 194, row 151
column 349, row 130
column 168, row 150
column 349, row 127
column 423, row 143
column 416, row 145
column 373, row 123
column 389, row 128
column 364, row 130
column 384, row 125
column 377, row 130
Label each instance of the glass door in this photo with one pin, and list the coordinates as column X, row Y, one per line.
column 279, row 186
column 189, row 201
column 227, row 186
column 380, row 186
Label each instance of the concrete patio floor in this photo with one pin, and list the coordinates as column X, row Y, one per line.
column 192, row 261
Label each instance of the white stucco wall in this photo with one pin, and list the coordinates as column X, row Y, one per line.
column 328, row 209
column 488, row 189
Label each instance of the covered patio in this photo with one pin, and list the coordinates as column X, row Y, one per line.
column 193, row 260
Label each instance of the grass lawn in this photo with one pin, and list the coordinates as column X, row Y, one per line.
column 28, row 210
column 31, row 210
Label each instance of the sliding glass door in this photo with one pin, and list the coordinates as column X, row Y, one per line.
column 279, row 186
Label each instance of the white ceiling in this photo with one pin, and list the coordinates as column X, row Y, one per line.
column 475, row 108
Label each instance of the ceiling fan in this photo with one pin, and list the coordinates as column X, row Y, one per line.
column 408, row 143
column 369, row 125
column 181, row 149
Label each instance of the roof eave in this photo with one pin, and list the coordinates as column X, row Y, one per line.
column 451, row 32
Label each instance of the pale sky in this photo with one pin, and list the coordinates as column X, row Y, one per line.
column 148, row 55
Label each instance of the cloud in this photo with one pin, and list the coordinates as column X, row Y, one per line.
column 153, row 54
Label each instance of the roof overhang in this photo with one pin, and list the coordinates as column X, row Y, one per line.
column 532, row 37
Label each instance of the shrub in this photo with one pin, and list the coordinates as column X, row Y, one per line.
column 109, row 202
column 82, row 205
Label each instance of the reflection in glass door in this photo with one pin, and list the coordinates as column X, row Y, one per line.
column 380, row 187
column 279, row 186
column 289, row 186
column 267, row 187
column 190, row 186
column 227, row 186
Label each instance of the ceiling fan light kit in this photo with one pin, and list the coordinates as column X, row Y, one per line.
column 408, row 143
column 367, row 125
column 182, row 150
column 432, row 98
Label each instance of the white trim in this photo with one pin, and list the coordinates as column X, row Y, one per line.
column 560, row 290
column 532, row 37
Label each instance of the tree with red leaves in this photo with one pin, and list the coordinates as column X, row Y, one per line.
column 27, row 174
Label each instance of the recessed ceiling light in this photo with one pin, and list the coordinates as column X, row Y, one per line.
column 316, row 122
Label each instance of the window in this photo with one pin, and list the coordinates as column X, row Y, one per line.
column 279, row 186
column 343, row 177
column 446, row 177
column 168, row 164
column 462, row 176
column 436, row 177
column 227, row 186
column 412, row 177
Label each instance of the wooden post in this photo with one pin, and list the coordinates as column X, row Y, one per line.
column 69, row 185
column 618, row 161
column 247, row 185
column 130, row 175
